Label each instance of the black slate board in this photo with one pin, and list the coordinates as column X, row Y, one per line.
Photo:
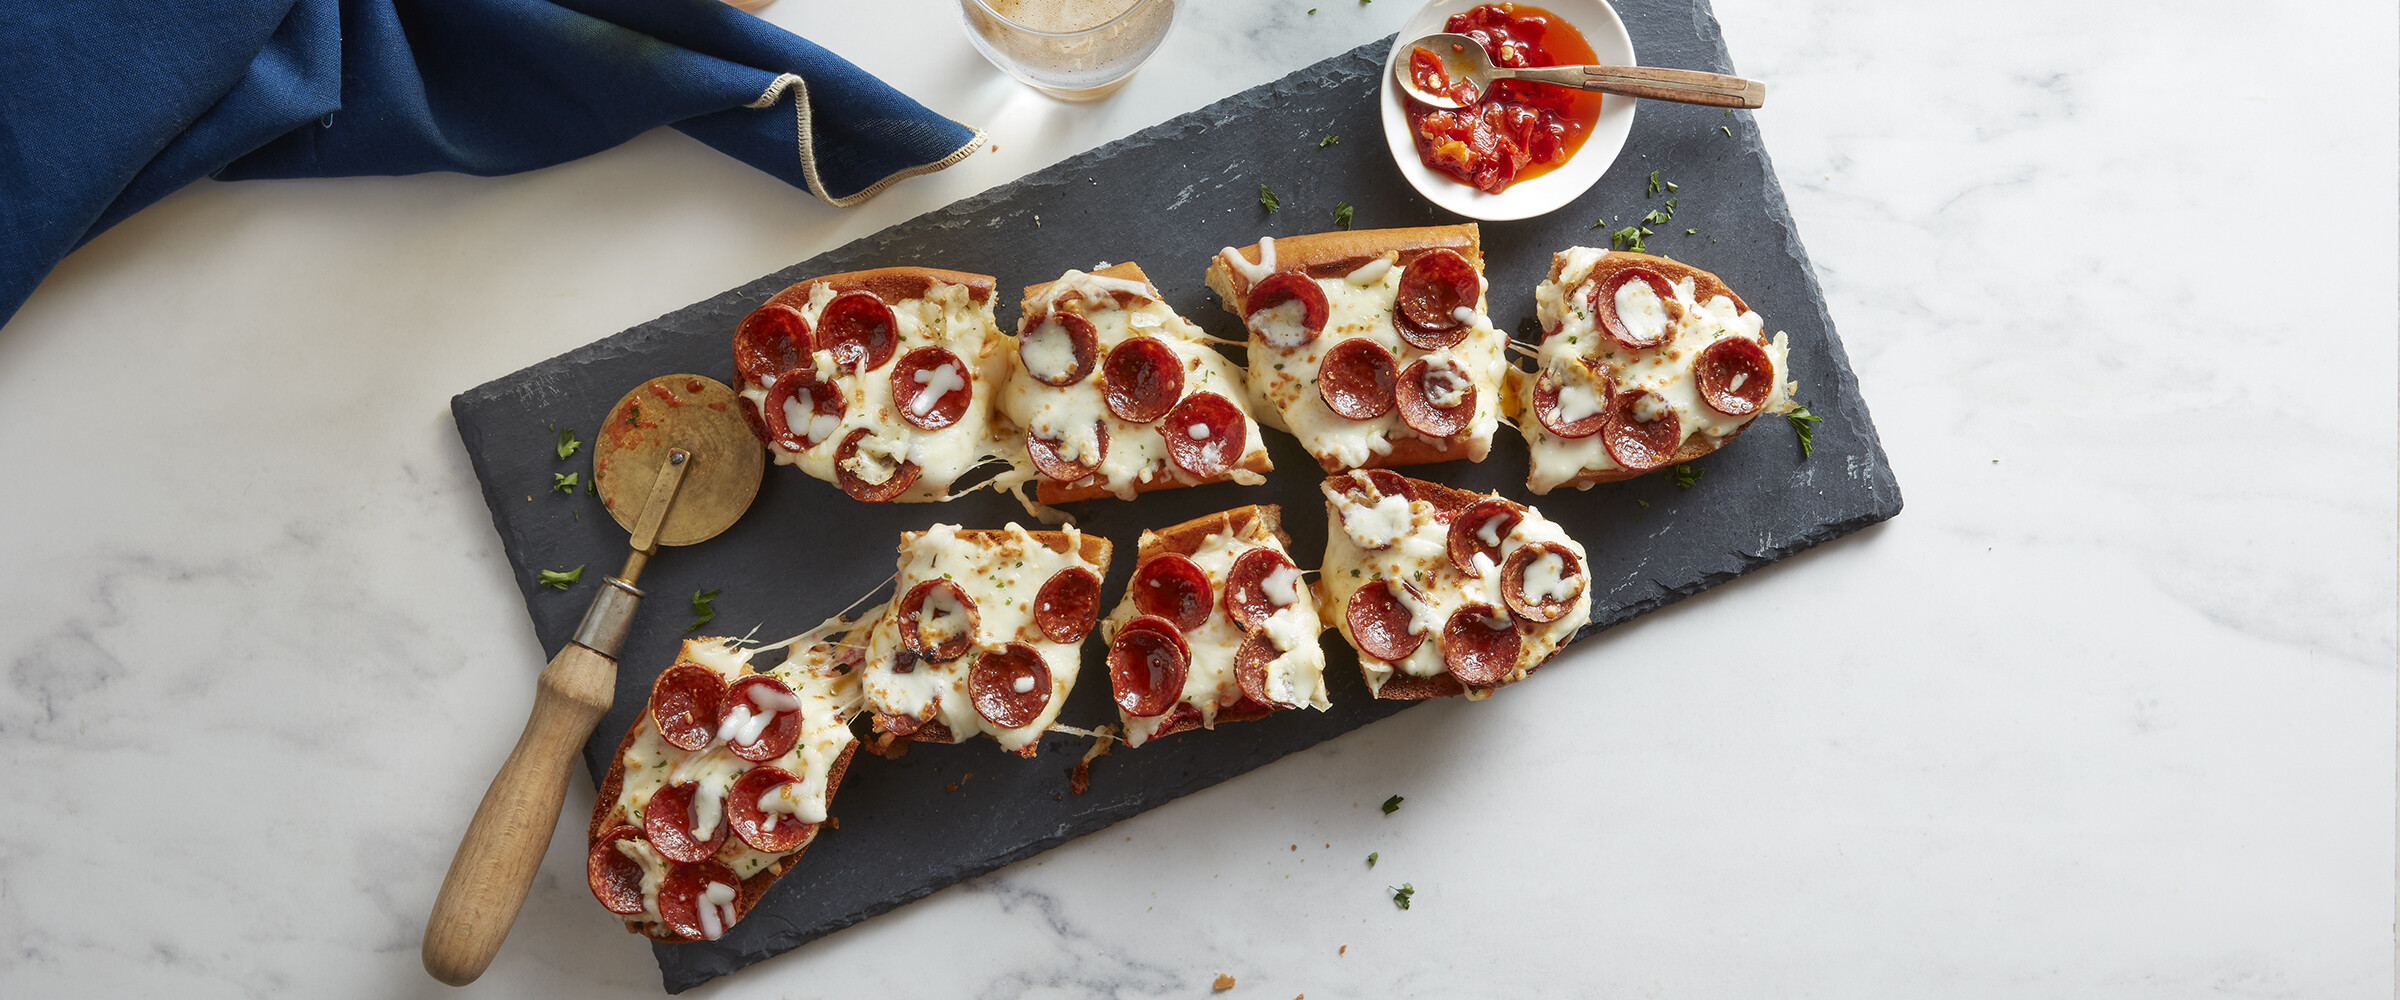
column 1189, row 186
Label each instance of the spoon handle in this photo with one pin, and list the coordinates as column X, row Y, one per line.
column 1682, row 86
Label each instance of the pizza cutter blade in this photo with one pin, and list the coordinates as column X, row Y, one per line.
column 675, row 464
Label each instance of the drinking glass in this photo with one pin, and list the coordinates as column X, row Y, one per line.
column 1074, row 50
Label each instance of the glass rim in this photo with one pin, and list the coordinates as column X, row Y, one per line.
column 1137, row 8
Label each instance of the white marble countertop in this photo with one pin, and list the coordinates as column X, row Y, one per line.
column 2108, row 711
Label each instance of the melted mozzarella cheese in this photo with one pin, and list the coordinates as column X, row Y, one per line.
column 1282, row 586
column 1296, row 676
column 1374, row 526
column 1665, row 371
column 1047, row 352
column 1253, row 273
column 1641, row 311
column 716, row 907
column 937, row 383
column 1282, row 325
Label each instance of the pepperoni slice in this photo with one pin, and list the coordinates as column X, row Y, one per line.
column 943, row 632
column 685, row 702
column 1172, row 587
column 1206, row 434
column 771, row 831
column 1052, row 464
column 758, row 424
column 1479, row 645
column 1147, row 664
column 1009, row 686
column 1356, row 378
column 679, row 900
column 1604, row 305
column 616, row 879
column 667, row 820
column 900, row 725
column 1061, row 350
column 860, row 331
column 1389, row 483
column 1735, row 376
column 1279, row 288
column 1068, row 605
column 759, row 696
column 1141, row 379
column 1546, row 396
column 1432, row 290
column 1379, row 622
column 1246, row 600
column 1250, row 667
column 1371, row 485
column 1549, row 608
column 1490, row 515
column 816, row 398
column 917, row 376
column 1435, row 400
column 772, row 340
column 903, row 476
column 1637, row 444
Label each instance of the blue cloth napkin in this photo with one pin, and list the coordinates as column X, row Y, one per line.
column 108, row 106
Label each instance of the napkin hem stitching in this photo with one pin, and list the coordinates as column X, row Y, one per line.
column 808, row 156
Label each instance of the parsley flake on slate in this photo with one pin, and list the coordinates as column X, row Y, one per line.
column 1670, row 185
column 564, row 483
column 1630, row 236
column 1400, row 895
column 1728, row 130
column 1685, row 476
column 1645, row 504
column 1371, row 856
column 702, row 607
column 556, row 580
column 591, row 488
column 1341, row 214
column 1267, row 200
column 1801, row 419
column 566, row 442
column 1392, row 805
column 1652, row 190
column 1330, row 138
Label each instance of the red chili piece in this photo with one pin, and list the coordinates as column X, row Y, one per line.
column 958, row 636
column 771, row 340
column 1546, row 391
column 1082, row 338
column 1288, row 286
column 1147, row 664
column 1432, row 290
column 1206, row 434
column 1420, row 383
column 1379, row 622
column 1172, row 587
column 1141, row 379
column 907, row 387
column 1047, row 459
column 1068, row 605
column 824, row 399
column 685, row 702
column 667, row 820
column 782, row 732
column 1246, row 601
column 679, row 898
column 856, row 327
column 1512, row 582
column 901, row 479
column 616, row 879
column 1476, row 652
column 749, row 822
column 1640, row 445
column 993, row 682
column 1604, row 305
column 1722, row 364
column 1356, row 378
column 1466, row 531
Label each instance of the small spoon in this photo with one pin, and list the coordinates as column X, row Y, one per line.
column 1464, row 59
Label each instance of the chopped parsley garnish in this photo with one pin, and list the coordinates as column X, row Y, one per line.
column 1727, row 129
column 564, row 483
column 566, row 442
column 1670, row 185
column 1691, row 232
column 556, row 580
column 1267, row 200
column 1630, row 237
column 1330, row 138
column 1341, row 215
column 1652, row 190
column 591, row 488
column 1801, row 419
column 1400, row 895
column 1371, row 856
column 1392, row 805
column 633, row 414
column 1685, row 476
column 701, row 606
column 1645, row 503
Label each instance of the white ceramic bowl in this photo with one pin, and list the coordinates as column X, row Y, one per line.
column 1525, row 199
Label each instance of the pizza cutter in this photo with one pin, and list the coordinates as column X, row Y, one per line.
column 675, row 464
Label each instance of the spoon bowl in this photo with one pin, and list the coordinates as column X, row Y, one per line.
column 1467, row 71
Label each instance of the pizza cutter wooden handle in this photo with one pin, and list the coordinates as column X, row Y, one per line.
column 503, row 846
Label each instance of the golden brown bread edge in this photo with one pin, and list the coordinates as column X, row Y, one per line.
column 1331, row 255
column 1032, row 311
column 1401, row 686
column 893, row 285
column 605, row 818
column 1704, row 287
column 1184, row 539
column 1094, row 549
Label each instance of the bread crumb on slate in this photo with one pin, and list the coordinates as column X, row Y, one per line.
column 1345, row 950
column 1224, row 982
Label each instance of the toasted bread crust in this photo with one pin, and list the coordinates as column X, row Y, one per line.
column 606, row 816
column 1034, row 306
column 1331, row 255
column 1094, row 549
column 1704, row 287
column 893, row 285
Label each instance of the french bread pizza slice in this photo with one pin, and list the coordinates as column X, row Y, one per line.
column 723, row 782
column 1114, row 393
column 880, row 382
column 1370, row 346
column 1644, row 362
column 1215, row 626
column 984, row 633
column 1443, row 591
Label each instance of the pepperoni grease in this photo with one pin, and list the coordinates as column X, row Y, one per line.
column 1518, row 130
